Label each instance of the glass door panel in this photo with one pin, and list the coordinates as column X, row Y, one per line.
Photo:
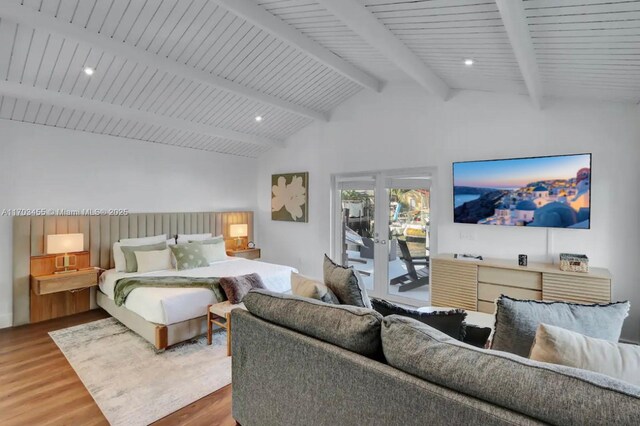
column 409, row 222
column 358, row 223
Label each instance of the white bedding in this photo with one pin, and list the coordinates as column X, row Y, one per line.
column 173, row 305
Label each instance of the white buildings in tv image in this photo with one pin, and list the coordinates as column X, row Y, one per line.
column 562, row 204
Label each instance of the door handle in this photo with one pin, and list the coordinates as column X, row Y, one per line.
column 376, row 241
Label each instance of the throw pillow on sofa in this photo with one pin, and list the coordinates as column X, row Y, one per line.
column 476, row 336
column 313, row 289
column 345, row 283
column 556, row 345
column 554, row 394
column 518, row 320
column 450, row 322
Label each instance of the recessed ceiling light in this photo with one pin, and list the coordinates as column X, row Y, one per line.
column 89, row 70
column 259, row 118
column 469, row 62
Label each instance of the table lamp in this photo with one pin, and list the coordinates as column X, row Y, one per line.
column 65, row 244
column 239, row 231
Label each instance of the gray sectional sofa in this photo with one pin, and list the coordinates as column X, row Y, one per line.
column 301, row 362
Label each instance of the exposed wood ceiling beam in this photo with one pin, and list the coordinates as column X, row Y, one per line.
column 50, row 97
column 367, row 26
column 261, row 18
column 34, row 19
column 515, row 22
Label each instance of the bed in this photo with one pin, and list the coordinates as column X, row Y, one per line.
column 166, row 316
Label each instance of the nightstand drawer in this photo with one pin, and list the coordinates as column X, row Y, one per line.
column 64, row 282
column 245, row 254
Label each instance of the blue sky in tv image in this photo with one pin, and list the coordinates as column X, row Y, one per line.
column 552, row 191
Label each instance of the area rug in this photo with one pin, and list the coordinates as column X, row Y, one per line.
column 130, row 382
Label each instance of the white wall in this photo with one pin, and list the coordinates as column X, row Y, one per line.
column 403, row 127
column 44, row 167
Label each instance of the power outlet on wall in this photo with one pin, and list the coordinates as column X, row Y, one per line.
column 468, row 235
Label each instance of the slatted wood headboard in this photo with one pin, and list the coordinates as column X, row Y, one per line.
column 100, row 232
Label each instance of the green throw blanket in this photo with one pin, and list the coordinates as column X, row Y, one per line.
column 124, row 286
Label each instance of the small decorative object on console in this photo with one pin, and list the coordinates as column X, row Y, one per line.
column 574, row 262
column 466, row 256
column 522, row 259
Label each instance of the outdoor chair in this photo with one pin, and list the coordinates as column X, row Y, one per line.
column 414, row 278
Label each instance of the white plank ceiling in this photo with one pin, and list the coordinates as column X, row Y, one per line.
column 583, row 49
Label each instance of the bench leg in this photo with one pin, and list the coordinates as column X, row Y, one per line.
column 209, row 330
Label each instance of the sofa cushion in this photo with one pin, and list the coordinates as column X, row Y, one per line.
column 313, row 289
column 345, row 283
column 350, row 327
column 450, row 322
column 551, row 393
column 564, row 347
column 518, row 320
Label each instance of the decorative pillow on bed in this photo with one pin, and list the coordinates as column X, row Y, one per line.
column 118, row 255
column 185, row 238
column 346, row 284
column 236, row 288
column 130, row 254
column 213, row 249
column 308, row 287
column 155, row 260
column 189, row 256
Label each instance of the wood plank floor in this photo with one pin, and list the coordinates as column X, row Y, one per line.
column 38, row 386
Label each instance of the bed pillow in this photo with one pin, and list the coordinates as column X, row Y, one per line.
column 313, row 289
column 450, row 322
column 236, row 288
column 518, row 320
column 213, row 240
column 188, row 256
column 118, row 255
column 556, row 345
column 214, row 249
column 130, row 254
column 155, row 260
column 185, row 238
column 345, row 283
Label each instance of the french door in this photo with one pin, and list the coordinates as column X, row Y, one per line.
column 382, row 227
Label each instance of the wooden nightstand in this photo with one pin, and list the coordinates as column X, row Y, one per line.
column 58, row 295
column 253, row 253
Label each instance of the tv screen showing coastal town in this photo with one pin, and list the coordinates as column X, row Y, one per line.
column 552, row 192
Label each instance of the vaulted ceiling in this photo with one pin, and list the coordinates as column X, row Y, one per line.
column 197, row 73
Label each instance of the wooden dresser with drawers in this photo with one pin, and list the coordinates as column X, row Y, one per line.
column 476, row 284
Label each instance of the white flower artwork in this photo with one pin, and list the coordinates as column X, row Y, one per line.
column 289, row 197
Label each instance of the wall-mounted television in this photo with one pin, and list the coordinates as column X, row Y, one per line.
column 550, row 192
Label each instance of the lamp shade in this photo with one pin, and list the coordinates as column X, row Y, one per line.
column 238, row 230
column 64, row 243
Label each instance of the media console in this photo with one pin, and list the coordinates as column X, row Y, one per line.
column 476, row 284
